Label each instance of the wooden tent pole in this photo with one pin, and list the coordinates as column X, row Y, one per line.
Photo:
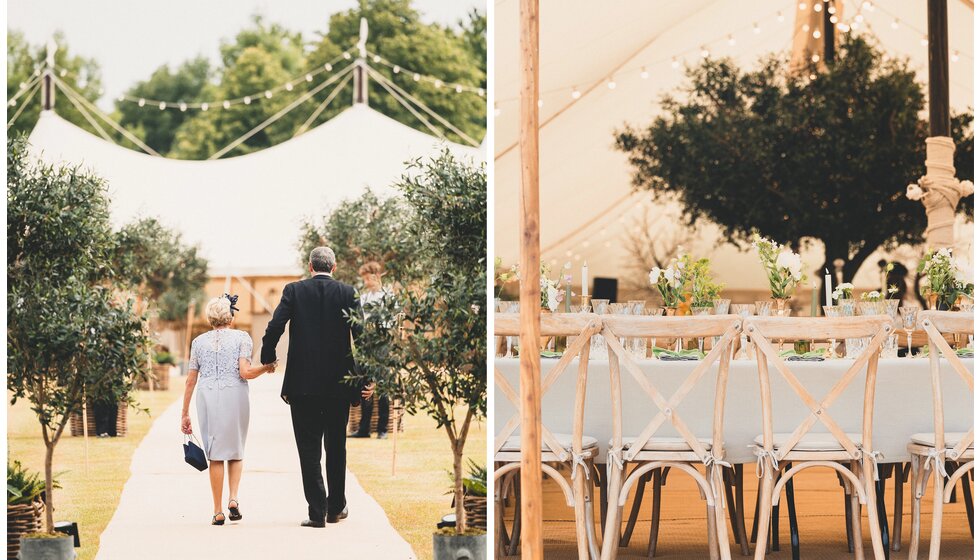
column 532, row 543
column 938, row 69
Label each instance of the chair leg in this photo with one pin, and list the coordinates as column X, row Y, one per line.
column 515, row 535
column 873, row 499
column 712, row 531
column 500, row 528
column 848, row 530
column 916, row 475
column 901, row 472
column 856, row 516
column 884, row 472
column 794, row 528
column 610, row 536
column 724, row 549
column 968, row 501
column 937, row 514
column 774, row 533
column 655, row 512
column 765, row 510
column 590, row 517
column 755, row 516
column 641, row 484
column 602, row 481
column 581, row 522
column 737, row 511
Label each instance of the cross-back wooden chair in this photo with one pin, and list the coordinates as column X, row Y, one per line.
column 576, row 449
column 804, row 448
column 931, row 451
column 649, row 451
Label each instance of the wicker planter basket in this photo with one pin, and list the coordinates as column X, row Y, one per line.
column 475, row 508
column 396, row 411
column 76, row 422
column 21, row 520
column 161, row 379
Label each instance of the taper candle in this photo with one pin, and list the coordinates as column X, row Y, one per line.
column 814, row 301
column 585, row 278
column 827, row 284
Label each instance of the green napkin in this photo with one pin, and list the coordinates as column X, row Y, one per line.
column 665, row 354
column 819, row 353
column 550, row 354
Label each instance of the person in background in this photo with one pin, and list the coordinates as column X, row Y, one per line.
column 371, row 273
column 105, row 408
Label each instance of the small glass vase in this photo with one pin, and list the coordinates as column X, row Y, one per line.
column 848, row 307
column 782, row 307
column 721, row 306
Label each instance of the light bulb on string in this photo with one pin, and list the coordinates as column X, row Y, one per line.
column 576, row 93
column 731, row 40
column 925, row 41
column 858, row 18
column 141, row 102
column 816, row 33
column 162, row 105
column 496, row 111
column 806, row 27
column 63, row 73
column 309, row 78
column 611, row 84
column 376, row 59
column 956, row 56
column 833, row 19
column 346, row 55
column 226, row 104
column 268, row 94
column 705, row 53
column 802, row 6
column 674, row 63
column 459, row 88
column 328, row 67
column 396, row 69
column 756, row 29
column 895, row 24
column 480, row 92
column 289, row 86
column 12, row 102
column 831, row 9
column 183, row 107
column 540, row 103
column 247, row 100
column 780, row 17
column 643, row 73
column 855, row 25
column 817, row 6
column 416, row 77
column 204, row 106
column 815, row 58
column 868, row 6
column 437, row 83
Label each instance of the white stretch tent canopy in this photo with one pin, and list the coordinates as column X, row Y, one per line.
column 586, row 205
column 245, row 212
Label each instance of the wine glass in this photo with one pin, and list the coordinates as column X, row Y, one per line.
column 832, row 311
column 744, row 310
column 909, row 315
column 511, row 307
column 702, row 311
column 763, row 308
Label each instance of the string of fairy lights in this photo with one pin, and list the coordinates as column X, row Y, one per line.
column 860, row 19
column 258, row 96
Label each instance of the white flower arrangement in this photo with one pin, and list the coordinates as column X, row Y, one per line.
column 669, row 281
column 844, row 290
column 783, row 267
column 947, row 277
column 914, row 192
column 873, row 295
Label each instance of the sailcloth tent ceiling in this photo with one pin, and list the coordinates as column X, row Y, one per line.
column 606, row 65
column 245, row 212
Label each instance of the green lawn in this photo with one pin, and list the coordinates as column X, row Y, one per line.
column 416, row 497
column 88, row 496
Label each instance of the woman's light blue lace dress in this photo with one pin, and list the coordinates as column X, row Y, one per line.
column 222, row 394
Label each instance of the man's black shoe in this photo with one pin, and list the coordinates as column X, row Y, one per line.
column 360, row 435
column 336, row 517
column 382, row 435
column 311, row 523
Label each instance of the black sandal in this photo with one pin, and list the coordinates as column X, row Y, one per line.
column 236, row 514
column 216, row 521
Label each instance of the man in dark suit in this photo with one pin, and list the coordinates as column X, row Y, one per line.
column 319, row 357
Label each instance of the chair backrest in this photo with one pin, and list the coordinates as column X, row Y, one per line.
column 582, row 325
column 762, row 330
column 613, row 327
column 936, row 324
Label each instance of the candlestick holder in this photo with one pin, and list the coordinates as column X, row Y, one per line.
column 586, row 301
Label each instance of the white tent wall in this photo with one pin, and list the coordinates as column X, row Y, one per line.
column 585, row 43
column 245, row 212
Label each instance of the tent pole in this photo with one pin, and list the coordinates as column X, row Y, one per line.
column 47, row 91
column 360, row 67
column 532, row 544
column 829, row 32
column 938, row 69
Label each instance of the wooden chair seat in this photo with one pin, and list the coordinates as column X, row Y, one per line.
column 811, row 441
column 928, row 439
column 513, row 443
column 665, row 443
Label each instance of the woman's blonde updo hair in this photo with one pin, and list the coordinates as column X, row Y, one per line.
column 371, row 267
column 218, row 312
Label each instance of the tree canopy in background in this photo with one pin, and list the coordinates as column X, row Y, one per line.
column 795, row 158
column 367, row 228
column 23, row 60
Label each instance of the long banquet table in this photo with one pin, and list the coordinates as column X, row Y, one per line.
column 903, row 401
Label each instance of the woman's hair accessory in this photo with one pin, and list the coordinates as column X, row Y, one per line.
column 233, row 300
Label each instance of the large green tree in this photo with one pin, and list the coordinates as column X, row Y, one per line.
column 795, row 157
column 24, row 62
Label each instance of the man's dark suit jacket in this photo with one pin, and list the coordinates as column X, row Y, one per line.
column 319, row 356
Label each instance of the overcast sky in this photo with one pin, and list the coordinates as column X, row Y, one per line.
column 130, row 39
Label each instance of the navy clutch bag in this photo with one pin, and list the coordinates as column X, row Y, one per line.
column 193, row 454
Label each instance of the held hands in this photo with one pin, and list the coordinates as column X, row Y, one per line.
column 367, row 391
column 185, row 424
column 271, row 368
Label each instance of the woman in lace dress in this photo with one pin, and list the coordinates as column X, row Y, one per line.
column 220, row 366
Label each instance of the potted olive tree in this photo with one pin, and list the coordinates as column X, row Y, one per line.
column 426, row 343
column 68, row 330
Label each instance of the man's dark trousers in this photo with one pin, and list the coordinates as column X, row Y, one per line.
column 321, row 421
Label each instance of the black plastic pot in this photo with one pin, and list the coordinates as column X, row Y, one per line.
column 465, row 547
column 62, row 548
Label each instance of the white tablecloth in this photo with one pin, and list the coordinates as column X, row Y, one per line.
column 903, row 401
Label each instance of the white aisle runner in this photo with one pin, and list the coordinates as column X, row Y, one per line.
column 165, row 508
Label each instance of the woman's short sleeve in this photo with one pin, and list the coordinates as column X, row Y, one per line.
column 245, row 349
column 193, row 364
